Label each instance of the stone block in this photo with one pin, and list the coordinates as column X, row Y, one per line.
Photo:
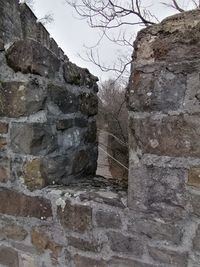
column 195, row 203
column 28, row 22
column 10, row 23
column 91, row 134
column 78, row 76
column 64, row 124
column 26, row 261
column 33, row 176
column 29, row 56
column 160, row 191
column 176, row 135
column 66, row 101
column 80, row 162
column 85, row 245
column 3, row 144
column 157, row 230
column 88, row 104
column 4, row 169
column 125, row 244
column 170, row 41
column 108, row 219
column 161, row 90
column 55, row 168
column 18, row 204
column 11, row 230
column 33, row 138
column 82, row 261
column 123, row 262
column 9, row 257
column 80, row 122
column 21, row 98
column 41, row 241
column 196, row 240
column 77, row 218
column 165, row 256
column 194, row 177
column 3, row 128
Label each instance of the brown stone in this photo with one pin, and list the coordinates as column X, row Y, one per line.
column 21, row 98
column 13, row 231
column 175, row 258
column 3, row 143
column 3, row 128
column 33, row 177
column 84, row 245
column 81, row 261
column 77, row 218
column 29, row 56
column 9, row 257
column 18, row 204
column 169, row 135
column 195, row 203
column 41, row 240
column 175, row 39
column 194, row 177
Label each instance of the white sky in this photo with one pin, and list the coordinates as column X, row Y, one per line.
column 71, row 34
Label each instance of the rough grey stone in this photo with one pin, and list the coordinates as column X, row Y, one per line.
column 55, row 168
column 125, row 244
column 77, row 218
column 168, row 135
column 161, row 90
column 85, row 245
column 157, row 230
column 9, row 257
column 63, row 98
column 21, row 99
column 88, row 104
column 29, row 56
column 108, row 219
column 32, row 138
column 175, row 258
column 78, row 76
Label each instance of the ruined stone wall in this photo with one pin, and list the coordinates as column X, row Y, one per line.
column 47, row 106
column 164, row 104
column 47, row 137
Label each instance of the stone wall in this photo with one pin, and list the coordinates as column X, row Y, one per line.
column 164, row 104
column 48, row 137
column 47, row 106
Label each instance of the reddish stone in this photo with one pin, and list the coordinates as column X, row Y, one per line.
column 18, row 204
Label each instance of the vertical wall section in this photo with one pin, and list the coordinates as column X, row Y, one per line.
column 47, row 106
column 164, row 104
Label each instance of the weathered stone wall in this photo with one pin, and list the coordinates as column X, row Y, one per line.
column 164, row 104
column 47, row 106
column 48, row 136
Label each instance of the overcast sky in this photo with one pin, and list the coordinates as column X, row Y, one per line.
column 72, row 34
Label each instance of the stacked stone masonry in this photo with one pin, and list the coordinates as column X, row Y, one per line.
column 48, row 142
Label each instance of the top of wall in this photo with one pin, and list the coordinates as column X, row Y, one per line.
column 165, row 42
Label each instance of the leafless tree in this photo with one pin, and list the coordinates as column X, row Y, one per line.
column 113, row 17
column 112, row 120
